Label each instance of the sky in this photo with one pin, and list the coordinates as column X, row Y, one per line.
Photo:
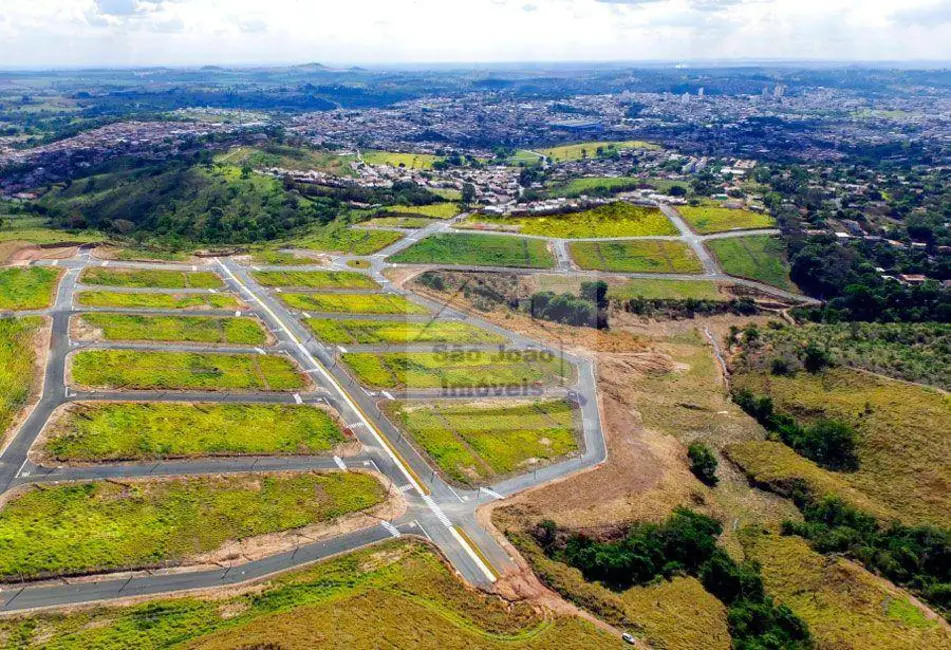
column 67, row 33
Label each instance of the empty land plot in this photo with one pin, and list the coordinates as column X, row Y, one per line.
column 408, row 222
column 17, row 366
column 478, row 250
column 316, row 279
column 667, row 290
column 395, row 159
column 110, row 432
column 598, row 186
column 150, row 370
column 709, row 219
column 184, row 329
column 84, row 528
column 27, row 288
column 108, row 299
column 473, row 443
column 488, row 372
column 277, row 258
column 400, row 594
column 583, row 150
column 433, row 211
column 642, row 256
column 761, row 258
column 398, row 332
column 618, row 219
column 349, row 241
column 146, row 279
column 353, row 303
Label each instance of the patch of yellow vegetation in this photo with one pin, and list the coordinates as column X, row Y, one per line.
column 678, row 615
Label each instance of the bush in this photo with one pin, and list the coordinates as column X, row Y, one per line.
column 703, row 463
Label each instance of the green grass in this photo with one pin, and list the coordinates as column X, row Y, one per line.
column 18, row 372
column 667, row 290
column 618, row 219
column 707, row 219
column 149, row 370
column 398, row 332
column 473, row 443
column 761, row 258
column 642, row 256
column 399, row 594
column 523, row 157
column 409, row 222
column 185, row 329
column 570, row 152
column 156, row 300
column 145, row 255
column 463, row 371
column 579, row 186
column 478, row 250
column 394, row 159
column 142, row 279
column 346, row 303
column 348, row 241
column 316, row 279
column 434, row 211
column 17, row 231
column 276, row 258
column 28, row 288
column 287, row 157
column 97, row 432
column 63, row 530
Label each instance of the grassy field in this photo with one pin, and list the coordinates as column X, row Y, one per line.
column 579, row 186
column 478, row 250
column 74, row 529
column 643, row 256
column 408, row 222
column 667, row 290
column 97, row 432
column 277, row 258
column 316, row 279
column 582, row 150
column 523, row 157
column 611, row 220
column 396, row 595
column 17, row 366
column 760, row 258
column 398, row 332
column 149, row 370
column 348, row 241
column 185, row 329
column 18, row 231
column 156, row 300
column 142, row 279
column 286, row 157
column 346, row 303
column 28, row 288
column 394, row 159
column 438, row 370
column 904, row 434
column 141, row 255
column 476, row 443
column 678, row 614
column 434, row 211
column 707, row 220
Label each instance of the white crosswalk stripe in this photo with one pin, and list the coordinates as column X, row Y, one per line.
column 391, row 529
column 340, row 463
column 440, row 515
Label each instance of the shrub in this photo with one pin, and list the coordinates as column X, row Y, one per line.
column 703, row 463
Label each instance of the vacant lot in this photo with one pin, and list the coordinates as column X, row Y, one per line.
column 184, row 329
column 82, row 528
column 394, row 159
column 17, row 366
column 397, row 595
column 434, row 211
column 408, row 222
column 478, row 250
column 96, row 432
column 597, row 186
column 464, row 370
column 141, row 279
column 667, row 290
column 761, row 258
column 643, row 256
column 612, row 220
column 475, row 443
column 27, row 288
column 277, row 258
column 316, row 279
column 148, row 370
column 348, row 241
column 398, row 332
column 156, row 300
column 591, row 149
column 709, row 219
column 352, row 303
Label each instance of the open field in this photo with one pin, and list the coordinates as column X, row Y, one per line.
column 156, row 300
column 761, row 258
column 270, row 257
column 904, row 433
column 523, row 157
column 475, row 443
column 398, row 332
column 463, row 371
column 590, row 149
column 315, row 279
column 348, row 241
column 287, row 157
column 355, row 303
column 643, row 256
column 141, row 255
column 612, row 220
column 478, row 250
column 707, row 220
column 398, row 595
column 17, row 366
column 28, row 288
column 678, row 614
column 18, row 231
column 150, row 370
column 73, row 529
column 667, row 290
column 409, row 222
column 579, row 186
column 98, row 432
column 142, row 279
column 434, row 211
column 394, row 159
column 185, row 329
